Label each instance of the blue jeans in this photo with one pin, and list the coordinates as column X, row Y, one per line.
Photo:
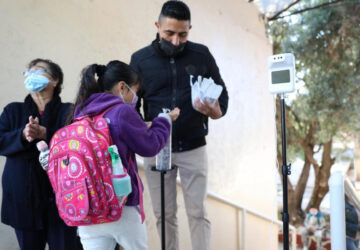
column 352, row 244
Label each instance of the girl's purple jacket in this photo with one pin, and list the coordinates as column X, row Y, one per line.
column 129, row 132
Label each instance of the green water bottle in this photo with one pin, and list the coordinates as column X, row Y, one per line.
column 121, row 180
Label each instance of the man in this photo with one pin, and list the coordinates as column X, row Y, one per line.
column 166, row 66
column 314, row 225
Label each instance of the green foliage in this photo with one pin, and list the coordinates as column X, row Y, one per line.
column 326, row 45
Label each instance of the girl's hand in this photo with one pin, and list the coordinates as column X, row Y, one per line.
column 148, row 124
column 174, row 114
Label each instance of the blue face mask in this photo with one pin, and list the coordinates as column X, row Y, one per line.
column 36, row 82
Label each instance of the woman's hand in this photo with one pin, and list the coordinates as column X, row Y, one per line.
column 33, row 130
column 174, row 114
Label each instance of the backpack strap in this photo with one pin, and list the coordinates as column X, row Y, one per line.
column 108, row 109
column 140, row 191
column 100, row 115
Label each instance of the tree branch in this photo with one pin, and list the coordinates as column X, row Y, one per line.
column 327, row 160
column 301, row 184
column 274, row 17
column 306, row 145
column 296, row 117
column 293, row 129
column 320, row 147
column 310, row 155
column 304, row 10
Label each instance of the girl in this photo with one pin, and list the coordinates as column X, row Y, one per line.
column 103, row 87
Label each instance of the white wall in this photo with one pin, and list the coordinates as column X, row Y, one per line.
column 74, row 34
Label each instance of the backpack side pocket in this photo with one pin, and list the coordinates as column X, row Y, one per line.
column 74, row 203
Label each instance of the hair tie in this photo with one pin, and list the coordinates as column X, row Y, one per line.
column 100, row 70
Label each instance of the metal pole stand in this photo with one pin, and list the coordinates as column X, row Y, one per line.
column 286, row 170
column 162, row 180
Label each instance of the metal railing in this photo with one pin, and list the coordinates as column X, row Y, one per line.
column 241, row 229
column 245, row 210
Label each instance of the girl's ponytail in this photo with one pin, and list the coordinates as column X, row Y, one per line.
column 89, row 84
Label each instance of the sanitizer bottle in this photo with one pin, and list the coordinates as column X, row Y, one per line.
column 163, row 158
column 121, row 180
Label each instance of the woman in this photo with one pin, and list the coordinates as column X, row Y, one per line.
column 115, row 85
column 28, row 202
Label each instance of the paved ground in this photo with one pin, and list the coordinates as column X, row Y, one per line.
column 7, row 238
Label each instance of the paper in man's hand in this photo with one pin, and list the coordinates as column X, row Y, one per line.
column 204, row 89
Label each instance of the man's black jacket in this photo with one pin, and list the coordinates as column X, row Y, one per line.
column 166, row 84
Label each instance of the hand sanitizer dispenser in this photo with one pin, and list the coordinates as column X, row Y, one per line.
column 163, row 158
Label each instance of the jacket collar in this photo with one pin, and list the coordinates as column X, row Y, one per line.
column 51, row 111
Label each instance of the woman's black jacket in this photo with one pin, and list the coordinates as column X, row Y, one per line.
column 28, row 200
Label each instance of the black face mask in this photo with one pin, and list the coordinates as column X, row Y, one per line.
column 170, row 49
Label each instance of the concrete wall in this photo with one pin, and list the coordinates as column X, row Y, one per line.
column 241, row 145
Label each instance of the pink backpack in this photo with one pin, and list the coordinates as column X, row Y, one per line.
column 80, row 173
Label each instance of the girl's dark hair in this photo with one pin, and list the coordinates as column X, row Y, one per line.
column 97, row 78
column 175, row 9
column 55, row 72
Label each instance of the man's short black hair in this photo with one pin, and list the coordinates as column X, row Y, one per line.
column 175, row 9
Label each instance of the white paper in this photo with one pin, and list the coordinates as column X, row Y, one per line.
column 204, row 89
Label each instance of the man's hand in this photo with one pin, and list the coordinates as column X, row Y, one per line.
column 33, row 130
column 212, row 111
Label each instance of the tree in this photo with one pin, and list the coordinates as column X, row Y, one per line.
column 326, row 44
